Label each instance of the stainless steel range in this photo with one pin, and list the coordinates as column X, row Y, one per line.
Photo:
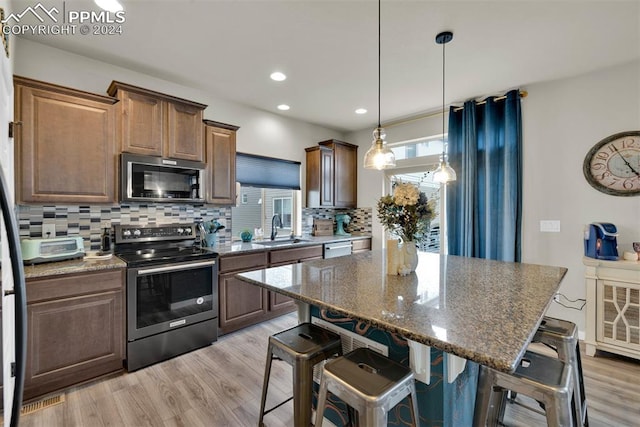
column 172, row 292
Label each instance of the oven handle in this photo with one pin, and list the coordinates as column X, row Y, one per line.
column 175, row 267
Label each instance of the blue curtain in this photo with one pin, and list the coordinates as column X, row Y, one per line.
column 484, row 205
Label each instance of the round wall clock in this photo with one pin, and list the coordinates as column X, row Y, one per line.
column 612, row 166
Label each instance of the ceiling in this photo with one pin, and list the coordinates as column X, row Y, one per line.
column 328, row 49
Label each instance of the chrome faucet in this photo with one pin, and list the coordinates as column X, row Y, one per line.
column 274, row 231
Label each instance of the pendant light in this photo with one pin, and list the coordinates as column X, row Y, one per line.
column 379, row 156
column 444, row 173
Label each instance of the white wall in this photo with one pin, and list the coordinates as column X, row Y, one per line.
column 261, row 132
column 562, row 120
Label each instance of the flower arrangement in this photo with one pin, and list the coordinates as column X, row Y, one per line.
column 407, row 212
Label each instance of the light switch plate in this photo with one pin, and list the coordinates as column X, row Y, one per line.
column 550, row 226
column 48, row 231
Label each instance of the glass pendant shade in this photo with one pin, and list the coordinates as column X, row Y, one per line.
column 379, row 156
column 444, row 173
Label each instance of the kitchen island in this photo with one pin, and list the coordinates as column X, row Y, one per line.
column 480, row 310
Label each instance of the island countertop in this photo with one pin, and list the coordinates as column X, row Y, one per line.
column 481, row 310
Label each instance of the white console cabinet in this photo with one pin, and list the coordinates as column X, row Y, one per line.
column 613, row 307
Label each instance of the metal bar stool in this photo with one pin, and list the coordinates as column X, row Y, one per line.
column 543, row 378
column 302, row 347
column 562, row 336
column 369, row 383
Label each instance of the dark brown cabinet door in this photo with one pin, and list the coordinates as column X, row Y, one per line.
column 319, row 177
column 75, row 329
column 279, row 302
column 332, row 169
column 327, row 178
column 345, row 157
column 241, row 304
column 221, row 162
column 65, row 145
column 185, row 134
column 141, row 124
column 156, row 124
column 72, row 340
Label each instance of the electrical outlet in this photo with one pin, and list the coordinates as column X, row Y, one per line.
column 48, row 231
column 550, row 226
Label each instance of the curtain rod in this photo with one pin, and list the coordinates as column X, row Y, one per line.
column 523, row 94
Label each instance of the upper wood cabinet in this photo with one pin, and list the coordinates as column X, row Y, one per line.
column 332, row 168
column 156, row 124
column 221, row 162
column 65, row 149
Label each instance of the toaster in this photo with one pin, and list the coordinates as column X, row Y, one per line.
column 35, row 251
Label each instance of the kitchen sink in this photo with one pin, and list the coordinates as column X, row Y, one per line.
column 280, row 242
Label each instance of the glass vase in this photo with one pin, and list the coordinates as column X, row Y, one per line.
column 402, row 257
column 409, row 252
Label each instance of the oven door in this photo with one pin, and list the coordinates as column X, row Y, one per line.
column 170, row 296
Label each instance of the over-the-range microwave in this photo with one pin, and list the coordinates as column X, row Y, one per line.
column 157, row 179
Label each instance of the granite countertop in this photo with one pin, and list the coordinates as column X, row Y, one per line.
column 86, row 264
column 482, row 310
column 255, row 246
column 79, row 265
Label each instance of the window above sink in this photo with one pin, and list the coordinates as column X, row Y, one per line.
column 257, row 207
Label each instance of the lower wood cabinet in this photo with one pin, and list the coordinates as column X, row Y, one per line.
column 75, row 329
column 361, row 245
column 279, row 302
column 242, row 304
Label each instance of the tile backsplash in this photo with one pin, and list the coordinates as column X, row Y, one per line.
column 360, row 218
column 88, row 221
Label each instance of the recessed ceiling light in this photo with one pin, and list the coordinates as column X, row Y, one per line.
column 361, row 111
column 283, row 107
column 109, row 5
column 278, row 76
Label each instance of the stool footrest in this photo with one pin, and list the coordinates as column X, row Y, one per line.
column 531, row 408
column 277, row 406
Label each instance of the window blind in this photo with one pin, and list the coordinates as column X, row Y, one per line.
column 267, row 172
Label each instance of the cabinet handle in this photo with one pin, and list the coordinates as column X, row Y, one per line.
column 338, row 247
column 175, row 267
column 12, row 125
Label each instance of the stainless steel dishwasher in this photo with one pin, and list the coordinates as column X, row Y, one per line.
column 336, row 249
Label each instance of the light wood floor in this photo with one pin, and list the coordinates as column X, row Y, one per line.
column 220, row 386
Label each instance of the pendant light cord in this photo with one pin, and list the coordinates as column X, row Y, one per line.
column 443, row 74
column 379, row 54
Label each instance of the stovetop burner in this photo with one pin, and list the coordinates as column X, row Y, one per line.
column 159, row 244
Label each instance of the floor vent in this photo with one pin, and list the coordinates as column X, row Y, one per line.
column 42, row 404
column 350, row 341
